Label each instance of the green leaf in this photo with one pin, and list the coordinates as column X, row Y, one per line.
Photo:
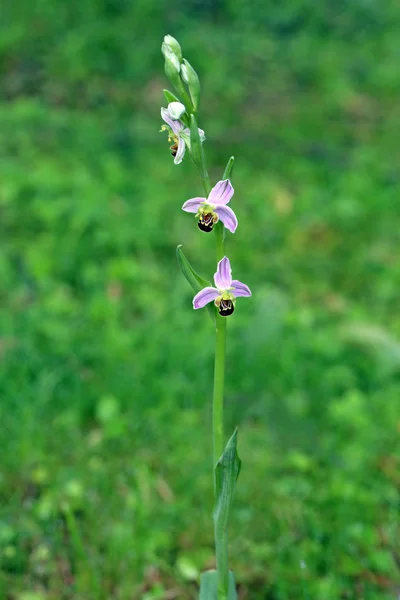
column 209, row 586
column 226, row 473
column 170, row 97
column 194, row 279
column 228, row 169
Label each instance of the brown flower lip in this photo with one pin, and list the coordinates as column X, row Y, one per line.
column 226, row 308
column 206, row 222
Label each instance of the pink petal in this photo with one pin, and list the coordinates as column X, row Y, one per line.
column 228, row 217
column 192, row 205
column 180, row 152
column 223, row 276
column 221, row 193
column 176, row 126
column 240, row 289
column 205, row 296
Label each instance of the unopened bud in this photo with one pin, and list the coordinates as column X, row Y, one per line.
column 176, row 110
column 172, row 68
column 191, row 78
column 171, row 58
column 173, row 45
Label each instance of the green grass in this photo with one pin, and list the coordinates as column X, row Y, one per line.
column 106, row 371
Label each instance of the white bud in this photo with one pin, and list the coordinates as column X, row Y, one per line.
column 173, row 45
column 176, row 110
column 184, row 73
column 171, row 60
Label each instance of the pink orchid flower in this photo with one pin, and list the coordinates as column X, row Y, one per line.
column 224, row 293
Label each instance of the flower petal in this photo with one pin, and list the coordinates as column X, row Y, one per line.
column 202, row 135
column 205, row 296
column 180, row 153
column 176, row 126
column 221, row 193
column 192, row 205
column 240, row 289
column 176, row 110
column 223, row 276
column 228, row 217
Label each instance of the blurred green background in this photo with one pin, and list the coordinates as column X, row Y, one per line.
column 105, row 369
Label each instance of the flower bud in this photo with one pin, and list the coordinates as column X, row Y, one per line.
column 176, row 110
column 191, row 78
column 171, row 58
column 173, row 45
column 172, row 67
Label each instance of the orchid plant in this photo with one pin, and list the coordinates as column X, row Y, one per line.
column 213, row 215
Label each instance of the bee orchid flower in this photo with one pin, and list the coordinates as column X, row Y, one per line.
column 178, row 133
column 224, row 293
column 210, row 210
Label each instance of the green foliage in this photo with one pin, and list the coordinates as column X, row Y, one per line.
column 105, row 370
column 195, row 281
column 227, row 472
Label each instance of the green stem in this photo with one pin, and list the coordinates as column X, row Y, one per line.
column 221, row 542
column 222, row 567
column 219, row 238
column 219, row 380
